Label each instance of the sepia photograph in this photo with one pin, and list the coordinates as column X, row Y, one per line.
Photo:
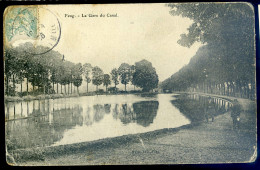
column 130, row 84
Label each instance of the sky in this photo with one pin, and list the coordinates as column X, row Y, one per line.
column 140, row 31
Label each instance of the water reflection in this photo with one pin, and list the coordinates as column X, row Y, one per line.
column 126, row 113
column 71, row 120
column 99, row 112
column 42, row 129
column 201, row 108
column 142, row 113
column 146, row 112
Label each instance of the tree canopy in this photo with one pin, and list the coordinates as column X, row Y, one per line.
column 39, row 70
column 125, row 73
column 145, row 75
column 97, row 76
column 227, row 59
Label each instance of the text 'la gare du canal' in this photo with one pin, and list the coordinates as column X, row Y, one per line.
column 91, row 15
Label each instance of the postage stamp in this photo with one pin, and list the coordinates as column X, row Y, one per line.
column 34, row 24
column 113, row 84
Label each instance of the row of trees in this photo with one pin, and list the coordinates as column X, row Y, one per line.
column 226, row 63
column 42, row 71
column 46, row 70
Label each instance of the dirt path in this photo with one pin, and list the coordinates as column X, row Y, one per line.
column 212, row 142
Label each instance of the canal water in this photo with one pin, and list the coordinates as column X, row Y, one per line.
column 64, row 121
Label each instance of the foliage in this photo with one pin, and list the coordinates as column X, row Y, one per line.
column 114, row 76
column 226, row 62
column 97, row 76
column 125, row 73
column 106, row 80
column 145, row 75
column 87, row 68
column 39, row 70
column 45, row 70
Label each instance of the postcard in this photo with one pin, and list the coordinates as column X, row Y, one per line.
column 130, row 84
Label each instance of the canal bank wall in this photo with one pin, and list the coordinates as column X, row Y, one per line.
column 202, row 142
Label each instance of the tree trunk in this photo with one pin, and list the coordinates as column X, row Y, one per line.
column 21, row 87
column 53, row 85
column 65, row 88
column 232, row 89
column 125, row 87
column 44, row 84
column 57, row 88
column 248, row 91
column 70, row 88
column 87, row 87
column 14, row 83
column 21, row 109
column 224, row 90
column 203, row 87
column 60, row 88
column 7, row 85
column 228, row 88
column 44, row 89
column 252, row 90
column 77, row 89
column 27, row 108
column 14, row 111
column 27, row 89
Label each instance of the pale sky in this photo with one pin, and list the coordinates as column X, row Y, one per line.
column 141, row 31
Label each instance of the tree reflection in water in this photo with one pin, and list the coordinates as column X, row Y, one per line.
column 46, row 123
column 107, row 108
column 39, row 130
column 126, row 114
column 88, row 119
column 99, row 112
column 193, row 107
column 142, row 113
column 145, row 112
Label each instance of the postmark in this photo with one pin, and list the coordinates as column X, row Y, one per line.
column 37, row 26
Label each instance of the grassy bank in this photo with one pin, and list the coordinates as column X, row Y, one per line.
column 57, row 96
column 49, row 152
column 38, row 97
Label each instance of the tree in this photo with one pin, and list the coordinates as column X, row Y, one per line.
column 97, row 76
column 125, row 73
column 77, row 81
column 145, row 76
column 77, row 78
column 132, row 71
column 10, row 63
column 225, row 64
column 39, row 70
column 106, row 80
column 69, row 70
column 114, row 76
column 87, row 68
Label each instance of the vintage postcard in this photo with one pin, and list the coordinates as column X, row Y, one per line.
column 130, row 84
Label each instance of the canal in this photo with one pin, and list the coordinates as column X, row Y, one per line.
column 52, row 122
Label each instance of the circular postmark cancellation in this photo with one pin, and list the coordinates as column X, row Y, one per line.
column 36, row 27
